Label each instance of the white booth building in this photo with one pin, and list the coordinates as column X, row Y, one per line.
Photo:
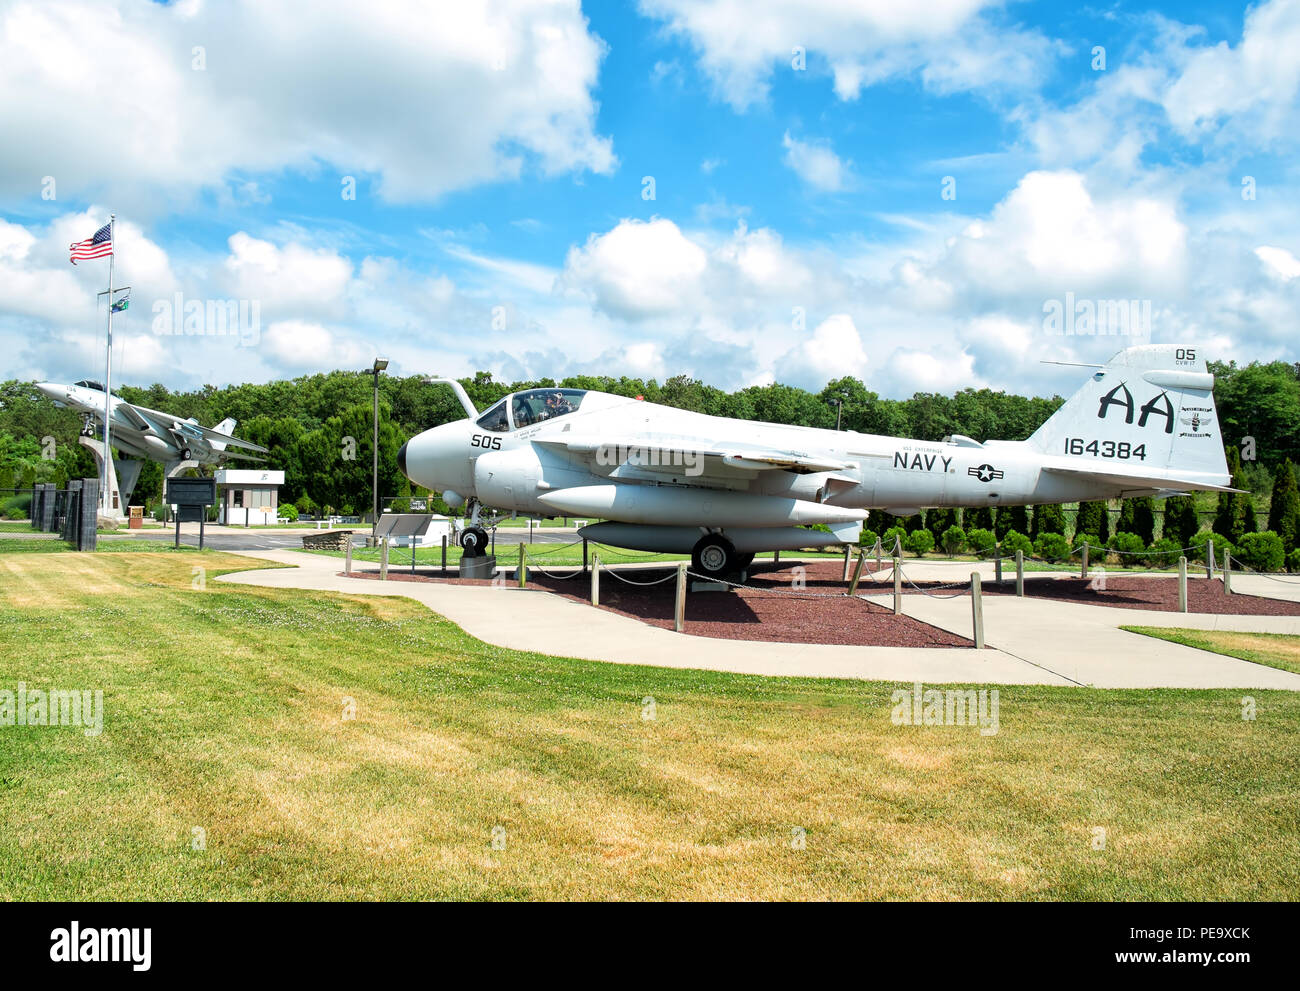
column 248, row 496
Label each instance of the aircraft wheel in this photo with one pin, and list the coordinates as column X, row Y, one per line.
column 714, row 555
column 474, row 541
column 185, row 454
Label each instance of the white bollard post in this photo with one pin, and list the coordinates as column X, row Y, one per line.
column 595, row 579
column 1020, row 573
column 1182, row 584
column 347, row 557
column 1227, row 572
column 383, row 559
column 679, row 606
column 977, row 609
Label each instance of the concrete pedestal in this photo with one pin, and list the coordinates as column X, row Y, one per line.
column 111, row 503
column 477, row 567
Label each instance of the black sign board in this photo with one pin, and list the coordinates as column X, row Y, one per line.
column 191, row 497
column 183, row 492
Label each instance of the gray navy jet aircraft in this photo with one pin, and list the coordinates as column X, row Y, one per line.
column 149, row 433
column 669, row 480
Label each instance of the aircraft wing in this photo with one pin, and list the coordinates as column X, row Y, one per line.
column 166, row 425
column 675, row 455
column 136, row 418
column 1137, row 480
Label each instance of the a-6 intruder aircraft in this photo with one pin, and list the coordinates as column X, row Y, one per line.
column 670, row 480
column 148, row 433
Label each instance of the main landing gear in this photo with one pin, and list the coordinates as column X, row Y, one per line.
column 715, row 556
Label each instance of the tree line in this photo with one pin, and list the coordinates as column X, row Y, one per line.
column 318, row 429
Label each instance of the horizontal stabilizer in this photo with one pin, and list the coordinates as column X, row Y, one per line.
column 1140, row 481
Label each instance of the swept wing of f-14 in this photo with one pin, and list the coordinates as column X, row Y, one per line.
column 671, row 480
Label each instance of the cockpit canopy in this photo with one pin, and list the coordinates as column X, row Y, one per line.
column 88, row 384
column 523, row 409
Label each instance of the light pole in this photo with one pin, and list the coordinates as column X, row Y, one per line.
column 839, row 407
column 379, row 365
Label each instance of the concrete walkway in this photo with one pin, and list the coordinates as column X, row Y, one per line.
column 1084, row 643
column 1035, row 641
column 534, row 620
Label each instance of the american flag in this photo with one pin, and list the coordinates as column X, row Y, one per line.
column 98, row 246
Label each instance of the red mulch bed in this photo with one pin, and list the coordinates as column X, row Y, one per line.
column 1149, row 593
column 765, row 611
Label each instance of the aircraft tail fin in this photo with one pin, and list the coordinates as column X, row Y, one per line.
column 1149, row 408
column 227, row 427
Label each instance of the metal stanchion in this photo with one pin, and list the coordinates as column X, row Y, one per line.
column 776, row 557
column 1182, row 584
column 1020, row 573
column 383, row 559
column 997, row 565
column 347, row 557
column 584, row 555
column 522, row 571
column 444, row 553
column 977, row 609
column 1227, row 572
column 857, row 572
column 898, row 587
column 595, row 579
column 846, row 564
column 1083, row 568
column 679, row 605
column 1209, row 559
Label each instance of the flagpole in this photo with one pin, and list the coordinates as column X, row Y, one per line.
column 107, row 497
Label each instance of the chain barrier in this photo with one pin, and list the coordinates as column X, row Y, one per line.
column 962, row 585
column 550, row 550
column 770, row 591
column 629, row 581
column 572, row 574
column 1262, row 574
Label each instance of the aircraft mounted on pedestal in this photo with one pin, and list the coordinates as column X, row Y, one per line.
column 670, row 480
column 148, row 433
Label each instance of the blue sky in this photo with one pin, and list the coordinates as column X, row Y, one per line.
column 799, row 228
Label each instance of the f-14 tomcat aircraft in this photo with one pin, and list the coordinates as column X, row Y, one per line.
column 148, row 433
column 670, row 480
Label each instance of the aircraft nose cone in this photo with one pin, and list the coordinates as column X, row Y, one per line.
column 51, row 391
column 401, row 459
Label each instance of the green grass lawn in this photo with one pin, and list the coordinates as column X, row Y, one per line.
column 1277, row 650
column 225, row 712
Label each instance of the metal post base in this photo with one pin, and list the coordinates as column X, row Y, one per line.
column 483, row 567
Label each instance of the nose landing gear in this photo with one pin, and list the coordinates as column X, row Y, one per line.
column 473, row 541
